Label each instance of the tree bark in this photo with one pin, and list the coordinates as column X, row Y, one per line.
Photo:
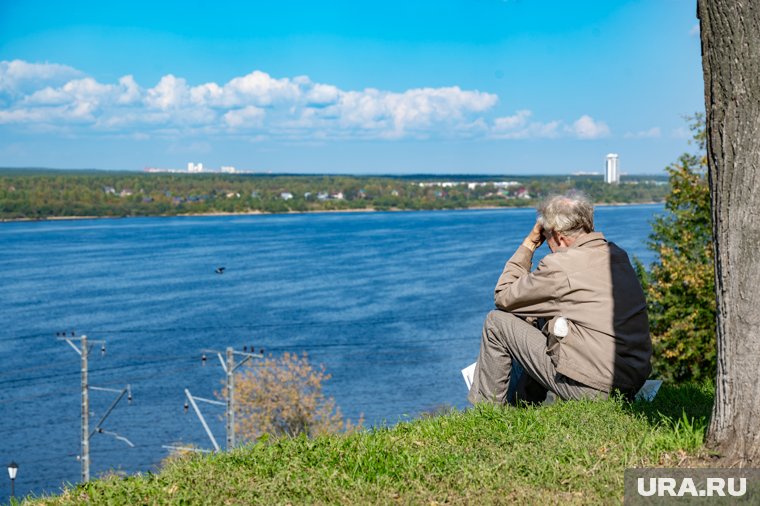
column 730, row 31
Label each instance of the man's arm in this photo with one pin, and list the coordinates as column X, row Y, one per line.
column 526, row 293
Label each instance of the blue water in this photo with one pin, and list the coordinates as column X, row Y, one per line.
column 390, row 303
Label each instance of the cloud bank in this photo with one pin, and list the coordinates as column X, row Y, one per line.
column 51, row 97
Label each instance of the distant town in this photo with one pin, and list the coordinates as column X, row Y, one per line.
column 198, row 168
column 612, row 173
column 47, row 194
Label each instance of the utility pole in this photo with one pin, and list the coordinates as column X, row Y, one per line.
column 85, row 413
column 84, row 351
column 230, row 398
column 229, row 366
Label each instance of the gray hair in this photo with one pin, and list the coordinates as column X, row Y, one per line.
column 570, row 214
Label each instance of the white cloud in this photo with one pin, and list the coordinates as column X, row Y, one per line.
column 412, row 111
column 506, row 123
column 170, row 93
column 130, row 92
column 694, row 32
column 517, row 126
column 20, row 77
column 259, row 88
column 587, row 127
column 49, row 96
column 322, row 95
column 652, row 133
column 78, row 100
column 249, row 116
column 209, row 93
column 290, row 107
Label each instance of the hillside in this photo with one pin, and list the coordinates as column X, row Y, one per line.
column 572, row 452
column 44, row 194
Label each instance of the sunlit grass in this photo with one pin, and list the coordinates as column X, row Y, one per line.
column 571, row 452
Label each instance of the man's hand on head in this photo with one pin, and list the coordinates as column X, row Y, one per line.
column 535, row 238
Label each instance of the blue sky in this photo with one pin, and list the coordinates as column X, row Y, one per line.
column 471, row 86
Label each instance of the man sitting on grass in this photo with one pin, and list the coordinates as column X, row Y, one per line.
column 588, row 304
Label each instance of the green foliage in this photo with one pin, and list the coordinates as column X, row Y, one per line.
column 568, row 453
column 680, row 286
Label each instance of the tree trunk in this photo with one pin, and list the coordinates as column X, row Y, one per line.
column 731, row 65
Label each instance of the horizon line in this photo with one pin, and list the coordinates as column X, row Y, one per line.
column 348, row 174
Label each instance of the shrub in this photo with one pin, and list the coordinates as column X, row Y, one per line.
column 680, row 285
column 283, row 397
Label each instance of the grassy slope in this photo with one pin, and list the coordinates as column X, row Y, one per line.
column 573, row 452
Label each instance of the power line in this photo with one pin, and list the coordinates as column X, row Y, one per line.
column 101, row 369
column 163, row 372
column 353, row 343
column 16, row 371
column 400, row 346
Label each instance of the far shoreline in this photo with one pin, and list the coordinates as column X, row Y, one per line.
column 315, row 211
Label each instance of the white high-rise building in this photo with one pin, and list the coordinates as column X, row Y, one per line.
column 612, row 174
column 194, row 167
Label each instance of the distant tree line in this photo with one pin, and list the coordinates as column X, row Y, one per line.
column 39, row 194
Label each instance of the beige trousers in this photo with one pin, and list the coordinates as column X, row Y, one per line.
column 507, row 338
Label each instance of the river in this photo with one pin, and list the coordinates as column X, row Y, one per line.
column 390, row 303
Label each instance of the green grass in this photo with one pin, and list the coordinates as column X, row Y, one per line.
column 570, row 452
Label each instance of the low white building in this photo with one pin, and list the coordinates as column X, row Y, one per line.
column 470, row 185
